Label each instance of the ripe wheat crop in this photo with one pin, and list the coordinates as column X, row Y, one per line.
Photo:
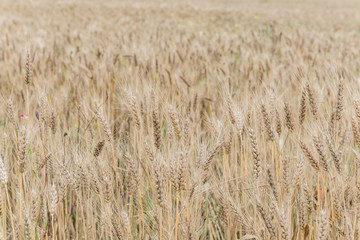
column 179, row 120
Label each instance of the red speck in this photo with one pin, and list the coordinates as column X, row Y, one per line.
column 24, row 116
column 338, row 28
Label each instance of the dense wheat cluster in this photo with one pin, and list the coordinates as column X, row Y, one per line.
column 153, row 120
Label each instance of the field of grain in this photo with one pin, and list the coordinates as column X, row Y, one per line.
column 179, row 120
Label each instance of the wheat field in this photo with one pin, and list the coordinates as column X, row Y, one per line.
column 179, row 120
